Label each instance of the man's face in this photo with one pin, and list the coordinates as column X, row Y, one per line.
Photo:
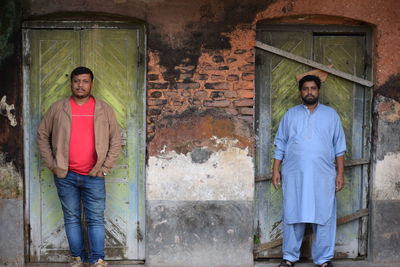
column 309, row 93
column 81, row 85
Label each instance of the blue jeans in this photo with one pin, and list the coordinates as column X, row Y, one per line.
column 90, row 190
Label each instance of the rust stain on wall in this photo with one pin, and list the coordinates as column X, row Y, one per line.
column 195, row 129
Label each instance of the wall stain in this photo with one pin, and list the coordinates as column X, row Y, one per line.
column 397, row 186
column 209, row 33
column 196, row 129
column 10, row 180
column 10, row 81
column 391, row 88
column 7, row 24
column 385, row 132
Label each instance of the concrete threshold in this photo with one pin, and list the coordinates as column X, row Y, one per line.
column 336, row 263
column 271, row 263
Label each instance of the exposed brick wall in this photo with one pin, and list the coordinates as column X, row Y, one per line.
column 222, row 79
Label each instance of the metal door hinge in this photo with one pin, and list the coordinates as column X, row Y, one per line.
column 140, row 58
column 139, row 235
column 28, row 59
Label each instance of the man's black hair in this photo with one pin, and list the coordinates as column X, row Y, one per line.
column 310, row 78
column 82, row 70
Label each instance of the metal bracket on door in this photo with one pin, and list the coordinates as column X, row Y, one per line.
column 139, row 235
column 313, row 64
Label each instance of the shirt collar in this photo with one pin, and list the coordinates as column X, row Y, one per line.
column 306, row 108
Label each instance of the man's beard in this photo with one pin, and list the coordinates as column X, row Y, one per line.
column 310, row 100
column 81, row 96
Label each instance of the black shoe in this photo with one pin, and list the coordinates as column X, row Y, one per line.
column 327, row 264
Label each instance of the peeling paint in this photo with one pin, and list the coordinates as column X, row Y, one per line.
column 202, row 24
column 388, row 110
column 211, row 129
column 386, row 124
column 226, row 175
column 10, row 180
column 387, row 179
column 5, row 110
column 390, row 88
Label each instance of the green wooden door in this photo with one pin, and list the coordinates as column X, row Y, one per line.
column 277, row 91
column 113, row 56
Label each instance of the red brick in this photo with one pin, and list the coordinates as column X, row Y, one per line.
column 151, row 85
column 156, row 94
column 248, row 119
column 156, row 102
column 170, row 94
column 240, row 51
column 250, row 59
column 230, row 94
column 231, row 60
column 201, row 76
column 218, row 59
column 154, row 111
column 217, row 95
column 211, row 67
column 152, row 77
column 217, row 103
column 247, row 67
column 185, row 69
column 178, row 103
column 246, row 111
column 246, row 93
column 232, row 111
column 150, row 128
column 218, row 86
column 216, row 77
column 187, row 85
column 243, row 103
column 248, row 76
column 184, row 76
column 185, row 94
column 201, row 94
column 232, row 77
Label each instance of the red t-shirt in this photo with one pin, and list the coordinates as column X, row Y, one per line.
column 82, row 150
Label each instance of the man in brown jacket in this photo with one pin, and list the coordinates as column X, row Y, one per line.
column 79, row 141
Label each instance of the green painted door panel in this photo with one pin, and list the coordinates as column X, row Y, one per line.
column 346, row 53
column 112, row 55
column 277, row 76
column 277, row 91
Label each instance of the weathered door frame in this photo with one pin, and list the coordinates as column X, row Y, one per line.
column 261, row 175
column 75, row 24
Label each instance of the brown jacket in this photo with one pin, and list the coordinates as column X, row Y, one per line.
column 54, row 132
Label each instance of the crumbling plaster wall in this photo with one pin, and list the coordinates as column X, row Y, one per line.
column 11, row 158
column 200, row 78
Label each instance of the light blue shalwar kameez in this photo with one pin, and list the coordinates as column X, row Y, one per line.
column 308, row 144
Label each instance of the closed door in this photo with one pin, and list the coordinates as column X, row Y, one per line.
column 277, row 91
column 113, row 56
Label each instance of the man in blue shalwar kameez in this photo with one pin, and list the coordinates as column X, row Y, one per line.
column 310, row 145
